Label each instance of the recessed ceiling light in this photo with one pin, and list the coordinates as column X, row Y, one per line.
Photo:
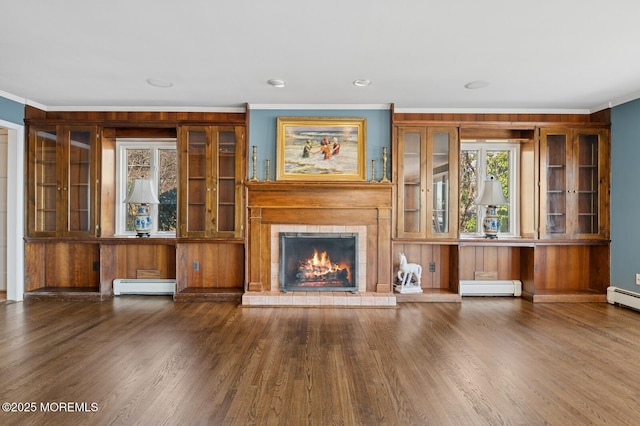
column 276, row 83
column 361, row 82
column 478, row 84
column 158, row 82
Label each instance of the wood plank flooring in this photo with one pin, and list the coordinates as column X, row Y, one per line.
column 147, row 360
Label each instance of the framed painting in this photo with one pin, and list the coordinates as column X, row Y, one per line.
column 319, row 149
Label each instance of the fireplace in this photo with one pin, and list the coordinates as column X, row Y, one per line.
column 324, row 261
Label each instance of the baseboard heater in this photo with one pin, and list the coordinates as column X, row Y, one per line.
column 623, row 297
column 490, row 288
column 143, row 286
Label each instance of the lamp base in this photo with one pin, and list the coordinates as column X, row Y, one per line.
column 491, row 223
column 142, row 223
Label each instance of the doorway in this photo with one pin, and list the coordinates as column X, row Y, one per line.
column 11, row 210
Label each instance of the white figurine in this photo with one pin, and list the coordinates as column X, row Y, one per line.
column 409, row 276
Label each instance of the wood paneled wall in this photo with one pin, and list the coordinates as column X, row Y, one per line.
column 137, row 261
column 562, row 267
column 61, row 264
column 219, row 265
column 439, row 257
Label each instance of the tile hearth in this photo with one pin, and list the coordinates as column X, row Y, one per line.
column 318, row 299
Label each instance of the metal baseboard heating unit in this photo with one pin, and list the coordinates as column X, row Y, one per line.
column 623, row 297
column 143, row 286
column 490, row 288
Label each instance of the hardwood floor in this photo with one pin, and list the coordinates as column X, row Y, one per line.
column 148, row 360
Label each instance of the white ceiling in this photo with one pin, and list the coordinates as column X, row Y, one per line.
column 549, row 55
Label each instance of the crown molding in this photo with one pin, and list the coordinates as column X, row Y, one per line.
column 321, row 106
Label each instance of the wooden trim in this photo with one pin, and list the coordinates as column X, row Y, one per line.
column 513, row 121
column 132, row 119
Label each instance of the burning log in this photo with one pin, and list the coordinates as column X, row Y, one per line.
column 319, row 269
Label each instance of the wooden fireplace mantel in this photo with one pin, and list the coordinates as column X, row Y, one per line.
column 319, row 203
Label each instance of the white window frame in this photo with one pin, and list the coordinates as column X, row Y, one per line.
column 155, row 145
column 514, row 181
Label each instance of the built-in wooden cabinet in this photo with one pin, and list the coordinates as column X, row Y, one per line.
column 209, row 270
column 211, row 170
column 62, row 184
column 574, row 183
column 562, row 251
column 61, row 269
column 427, row 179
column 71, row 250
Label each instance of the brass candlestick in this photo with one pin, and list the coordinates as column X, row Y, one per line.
column 254, row 157
column 267, row 174
column 373, row 171
column 384, row 165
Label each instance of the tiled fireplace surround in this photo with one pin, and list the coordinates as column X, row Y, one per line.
column 361, row 208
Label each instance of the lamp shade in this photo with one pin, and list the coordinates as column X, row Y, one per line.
column 142, row 192
column 492, row 194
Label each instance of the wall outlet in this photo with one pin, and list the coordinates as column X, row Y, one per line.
column 432, row 266
column 196, row 265
column 638, row 279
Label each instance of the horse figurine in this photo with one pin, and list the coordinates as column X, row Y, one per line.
column 407, row 270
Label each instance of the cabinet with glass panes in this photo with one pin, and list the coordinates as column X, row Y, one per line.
column 210, row 195
column 574, row 183
column 62, row 192
column 427, row 176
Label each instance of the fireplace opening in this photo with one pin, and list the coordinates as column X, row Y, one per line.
column 318, row 261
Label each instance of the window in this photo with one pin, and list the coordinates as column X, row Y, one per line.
column 479, row 159
column 157, row 161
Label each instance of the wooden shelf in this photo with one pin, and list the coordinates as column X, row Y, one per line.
column 429, row 295
column 65, row 294
column 209, row 294
column 565, row 296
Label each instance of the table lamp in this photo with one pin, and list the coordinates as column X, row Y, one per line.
column 142, row 193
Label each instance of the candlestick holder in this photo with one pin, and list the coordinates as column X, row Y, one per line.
column 373, row 171
column 384, row 165
column 254, row 158
column 268, row 172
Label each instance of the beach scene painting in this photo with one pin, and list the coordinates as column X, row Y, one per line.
column 321, row 149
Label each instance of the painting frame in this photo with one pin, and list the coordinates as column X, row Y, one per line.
column 323, row 160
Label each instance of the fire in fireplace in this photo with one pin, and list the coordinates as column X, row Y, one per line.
column 318, row 261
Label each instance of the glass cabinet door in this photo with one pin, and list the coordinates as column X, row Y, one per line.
column 555, row 148
column 442, row 177
column 226, row 180
column 587, row 145
column 79, row 179
column 44, row 146
column 195, row 185
column 574, row 183
column 62, row 191
column 411, row 186
column 210, row 181
column 427, row 175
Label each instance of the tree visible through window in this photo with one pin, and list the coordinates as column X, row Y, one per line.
column 155, row 161
column 479, row 159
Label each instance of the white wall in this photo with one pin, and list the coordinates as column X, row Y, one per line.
column 4, row 139
column 13, row 230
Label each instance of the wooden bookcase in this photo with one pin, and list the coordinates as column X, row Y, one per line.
column 562, row 253
column 574, row 180
column 211, row 170
column 61, row 192
column 71, row 250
